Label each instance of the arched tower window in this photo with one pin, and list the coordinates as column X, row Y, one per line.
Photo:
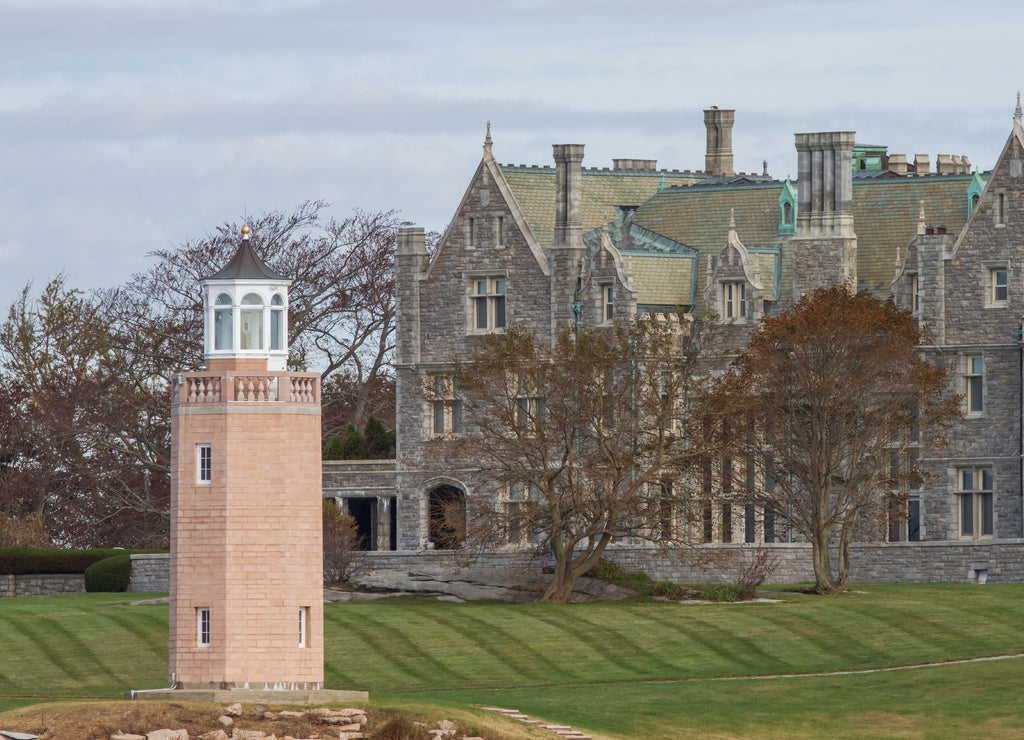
column 223, row 326
column 252, row 322
column 277, row 322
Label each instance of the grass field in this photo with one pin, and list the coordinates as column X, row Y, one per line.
column 627, row 669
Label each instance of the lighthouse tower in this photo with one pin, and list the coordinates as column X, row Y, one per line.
column 246, row 613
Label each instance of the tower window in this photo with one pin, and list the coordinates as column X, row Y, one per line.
column 277, row 323
column 223, row 325
column 303, row 626
column 252, row 322
column 203, row 626
column 204, row 463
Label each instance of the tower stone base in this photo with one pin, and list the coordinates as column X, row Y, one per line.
column 250, row 696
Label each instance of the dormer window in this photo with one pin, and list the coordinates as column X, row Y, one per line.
column 222, row 322
column 734, row 300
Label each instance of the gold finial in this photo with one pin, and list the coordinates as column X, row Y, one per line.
column 245, row 231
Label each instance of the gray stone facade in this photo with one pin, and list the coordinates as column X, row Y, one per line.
column 967, row 293
column 500, row 263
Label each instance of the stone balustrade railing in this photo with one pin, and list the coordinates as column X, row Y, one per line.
column 247, row 387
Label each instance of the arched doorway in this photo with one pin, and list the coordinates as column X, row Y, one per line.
column 446, row 512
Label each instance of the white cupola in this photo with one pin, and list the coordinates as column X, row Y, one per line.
column 245, row 313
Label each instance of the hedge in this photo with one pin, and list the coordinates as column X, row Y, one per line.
column 22, row 560
column 109, row 574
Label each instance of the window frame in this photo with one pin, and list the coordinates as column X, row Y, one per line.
column 734, row 308
column 491, row 304
column 976, row 502
column 204, row 463
column 446, row 418
column 974, row 384
column 915, row 294
column 203, row 629
column 607, row 303
column 994, row 288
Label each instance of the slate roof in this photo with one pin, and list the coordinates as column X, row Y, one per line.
column 603, row 190
column 885, row 215
column 246, row 265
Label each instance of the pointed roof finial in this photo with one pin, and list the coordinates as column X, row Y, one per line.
column 245, row 232
column 1017, row 111
column 487, row 142
column 732, row 219
column 920, row 219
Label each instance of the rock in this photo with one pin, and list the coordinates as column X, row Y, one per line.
column 350, row 712
column 447, row 727
column 225, row 720
column 291, row 714
column 214, row 735
column 167, row 735
column 235, row 710
column 127, row 736
column 238, row 734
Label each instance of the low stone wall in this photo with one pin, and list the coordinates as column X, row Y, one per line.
column 41, row 584
column 151, row 573
column 992, row 561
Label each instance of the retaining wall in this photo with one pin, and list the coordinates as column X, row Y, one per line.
column 41, row 584
column 992, row 561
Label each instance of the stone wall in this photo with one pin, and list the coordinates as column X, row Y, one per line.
column 151, row 573
column 963, row 561
column 41, row 584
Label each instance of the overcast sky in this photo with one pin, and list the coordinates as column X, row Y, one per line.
column 133, row 125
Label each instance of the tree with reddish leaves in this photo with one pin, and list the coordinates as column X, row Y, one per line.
column 85, row 393
column 825, row 397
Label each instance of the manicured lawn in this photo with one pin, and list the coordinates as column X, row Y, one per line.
column 618, row 669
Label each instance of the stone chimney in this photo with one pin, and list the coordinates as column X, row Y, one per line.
column 411, row 261
column 825, row 168
column 946, row 164
column 718, row 159
column 638, row 165
column 825, row 245
column 898, row 163
column 922, row 164
column 567, row 250
column 568, row 194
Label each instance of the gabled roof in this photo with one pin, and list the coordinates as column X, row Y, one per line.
column 247, row 265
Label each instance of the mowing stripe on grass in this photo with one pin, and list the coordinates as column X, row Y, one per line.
column 135, row 628
column 709, row 637
column 508, row 650
column 42, row 642
column 78, row 645
column 396, row 647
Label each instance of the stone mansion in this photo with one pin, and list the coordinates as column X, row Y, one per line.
column 543, row 245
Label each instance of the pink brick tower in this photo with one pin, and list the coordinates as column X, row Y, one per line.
column 246, row 543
